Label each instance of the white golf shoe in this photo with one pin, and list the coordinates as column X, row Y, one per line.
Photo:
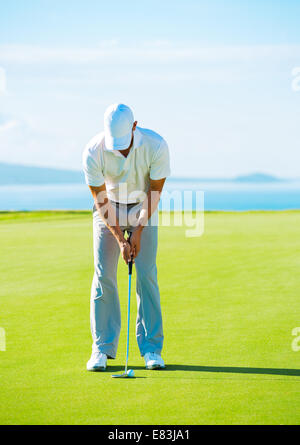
column 153, row 361
column 97, row 362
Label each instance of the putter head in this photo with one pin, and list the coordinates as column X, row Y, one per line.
column 120, row 376
column 126, row 375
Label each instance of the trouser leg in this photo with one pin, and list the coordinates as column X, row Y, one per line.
column 105, row 313
column 149, row 329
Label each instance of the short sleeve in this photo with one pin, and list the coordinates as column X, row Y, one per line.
column 160, row 166
column 92, row 169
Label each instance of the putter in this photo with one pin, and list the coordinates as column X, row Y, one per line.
column 127, row 373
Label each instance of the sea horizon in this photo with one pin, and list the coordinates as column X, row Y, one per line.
column 210, row 195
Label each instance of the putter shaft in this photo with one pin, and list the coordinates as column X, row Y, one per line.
column 125, row 375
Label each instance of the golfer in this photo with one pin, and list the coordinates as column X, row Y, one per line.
column 125, row 168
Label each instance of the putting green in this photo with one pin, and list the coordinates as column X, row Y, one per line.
column 230, row 301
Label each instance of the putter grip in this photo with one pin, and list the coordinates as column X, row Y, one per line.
column 130, row 263
column 130, row 267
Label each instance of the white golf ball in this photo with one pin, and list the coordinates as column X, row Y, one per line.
column 130, row 373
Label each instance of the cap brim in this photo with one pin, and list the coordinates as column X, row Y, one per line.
column 122, row 143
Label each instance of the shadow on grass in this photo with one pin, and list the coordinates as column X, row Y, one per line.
column 113, row 368
column 235, row 370
column 225, row 369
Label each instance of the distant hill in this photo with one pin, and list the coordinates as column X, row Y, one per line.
column 13, row 174
column 252, row 178
column 257, row 177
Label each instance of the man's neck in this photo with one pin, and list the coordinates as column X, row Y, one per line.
column 125, row 153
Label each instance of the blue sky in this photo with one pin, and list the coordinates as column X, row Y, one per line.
column 213, row 77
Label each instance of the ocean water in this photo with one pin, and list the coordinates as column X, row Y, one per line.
column 186, row 194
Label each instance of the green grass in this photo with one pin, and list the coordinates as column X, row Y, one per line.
column 230, row 300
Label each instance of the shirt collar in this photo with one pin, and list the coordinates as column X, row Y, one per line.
column 137, row 138
column 137, row 142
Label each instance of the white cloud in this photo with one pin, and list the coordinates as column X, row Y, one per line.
column 111, row 51
column 2, row 80
column 108, row 43
column 70, row 87
column 8, row 125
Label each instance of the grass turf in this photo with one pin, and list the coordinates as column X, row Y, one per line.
column 229, row 300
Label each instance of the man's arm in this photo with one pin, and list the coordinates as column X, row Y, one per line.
column 108, row 215
column 148, row 208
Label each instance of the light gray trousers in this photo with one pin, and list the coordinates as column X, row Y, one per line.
column 105, row 306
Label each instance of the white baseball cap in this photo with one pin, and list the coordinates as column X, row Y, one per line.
column 118, row 122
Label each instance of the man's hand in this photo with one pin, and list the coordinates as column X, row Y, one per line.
column 135, row 241
column 126, row 251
